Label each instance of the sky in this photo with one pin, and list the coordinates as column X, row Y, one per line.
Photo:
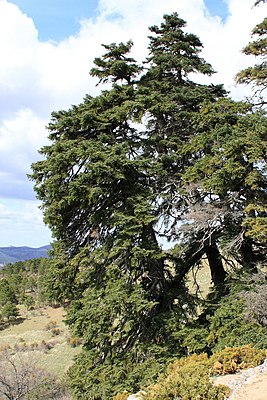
column 47, row 48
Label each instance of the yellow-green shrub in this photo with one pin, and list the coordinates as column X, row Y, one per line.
column 121, row 396
column 187, row 379
column 231, row 359
column 74, row 341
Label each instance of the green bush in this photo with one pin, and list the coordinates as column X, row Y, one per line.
column 187, row 379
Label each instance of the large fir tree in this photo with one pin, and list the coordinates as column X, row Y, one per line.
column 156, row 158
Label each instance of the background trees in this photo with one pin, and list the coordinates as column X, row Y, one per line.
column 156, row 159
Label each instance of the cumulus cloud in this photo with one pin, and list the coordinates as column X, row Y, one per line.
column 21, row 135
column 39, row 77
column 25, row 220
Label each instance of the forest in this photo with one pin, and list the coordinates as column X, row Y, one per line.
column 142, row 185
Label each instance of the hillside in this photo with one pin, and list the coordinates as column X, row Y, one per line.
column 13, row 254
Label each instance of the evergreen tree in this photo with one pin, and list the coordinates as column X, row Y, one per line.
column 154, row 155
column 173, row 101
column 256, row 212
column 7, row 293
column 9, row 312
column 257, row 74
column 228, row 174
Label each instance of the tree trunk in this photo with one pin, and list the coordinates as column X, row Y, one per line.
column 248, row 257
column 217, row 271
column 154, row 280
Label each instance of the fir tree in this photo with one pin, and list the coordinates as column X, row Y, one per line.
column 156, row 157
column 257, row 74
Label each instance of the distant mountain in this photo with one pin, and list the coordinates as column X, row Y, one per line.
column 13, row 254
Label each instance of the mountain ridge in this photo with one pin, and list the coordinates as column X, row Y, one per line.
column 12, row 254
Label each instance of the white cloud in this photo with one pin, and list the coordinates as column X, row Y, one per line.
column 21, row 135
column 39, row 77
column 25, row 220
column 44, row 76
column 224, row 42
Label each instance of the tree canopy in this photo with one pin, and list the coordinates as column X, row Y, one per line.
column 257, row 74
column 137, row 185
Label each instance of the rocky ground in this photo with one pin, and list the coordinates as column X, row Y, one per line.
column 250, row 384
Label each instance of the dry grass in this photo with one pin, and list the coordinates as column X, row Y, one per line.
column 33, row 335
column 199, row 279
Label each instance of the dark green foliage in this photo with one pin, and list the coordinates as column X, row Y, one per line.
column 90, row 380
column 229, row 328
column 255, row 304
column 257, row 74
column 115, row 65
column 8, row 302
column 229, row 321
column 29, row 302
column 193, row 339
column 9, row 312
column 230, row 324
column 157, row 157
column 7, row 293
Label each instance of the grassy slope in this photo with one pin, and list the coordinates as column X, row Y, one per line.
column 32, row 332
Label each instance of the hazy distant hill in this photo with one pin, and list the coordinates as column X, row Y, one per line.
column 13, row 254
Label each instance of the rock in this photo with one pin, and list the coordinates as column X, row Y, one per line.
column 136, row 396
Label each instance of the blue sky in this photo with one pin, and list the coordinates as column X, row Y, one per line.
column 57, row 19
column 47, row 48
column 218, row 8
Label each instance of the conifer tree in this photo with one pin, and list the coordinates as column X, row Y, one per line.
column 157, row 157
column 256, row 211
column 257, row 74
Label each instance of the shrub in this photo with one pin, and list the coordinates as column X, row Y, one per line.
column 193, row 339
column 55, row 331
column 34, row 346
column 103, row 380
column 45, row 346
column 121, row 396
column 74, row 341
column 187, row 379
column 21, row 378
column 231, row 360
column 21, row 346
column 9, row 312
column 51, row 325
